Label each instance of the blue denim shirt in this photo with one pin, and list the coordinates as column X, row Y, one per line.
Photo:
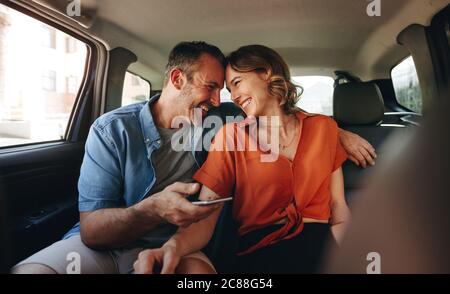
column 117, row 170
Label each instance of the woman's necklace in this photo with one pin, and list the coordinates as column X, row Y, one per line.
column 284, row 146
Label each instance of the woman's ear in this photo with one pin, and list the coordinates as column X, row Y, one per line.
column 177, row 78
column 264, row 75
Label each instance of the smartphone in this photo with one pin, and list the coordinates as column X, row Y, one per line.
column 210, row 202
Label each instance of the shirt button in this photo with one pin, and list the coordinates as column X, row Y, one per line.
column 147, row 140
column 158, row 142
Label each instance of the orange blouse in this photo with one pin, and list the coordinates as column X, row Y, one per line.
column 267, row 192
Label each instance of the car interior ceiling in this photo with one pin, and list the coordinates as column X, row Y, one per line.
column 356, row 51
column 363, row 101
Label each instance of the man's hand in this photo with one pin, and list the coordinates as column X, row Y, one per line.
column 151, row 260
column 359, row 150
column 171, row 205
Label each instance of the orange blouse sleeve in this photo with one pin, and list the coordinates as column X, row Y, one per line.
column 340, row 155
column 219, row 170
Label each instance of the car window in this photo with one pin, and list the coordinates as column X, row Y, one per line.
column 135, row 89
column 406, row 85
column 41, row 70
column 317, row 96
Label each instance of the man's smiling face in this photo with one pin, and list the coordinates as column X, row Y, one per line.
column 203, row 89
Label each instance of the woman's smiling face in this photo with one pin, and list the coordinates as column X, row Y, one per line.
column 249, row 90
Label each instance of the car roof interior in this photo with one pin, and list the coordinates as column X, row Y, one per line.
column 316, row 37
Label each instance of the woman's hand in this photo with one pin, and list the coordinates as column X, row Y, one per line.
column 150, row 260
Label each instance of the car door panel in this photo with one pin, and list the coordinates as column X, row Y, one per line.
column 40, row 190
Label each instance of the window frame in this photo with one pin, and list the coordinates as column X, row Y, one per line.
column 86, row 85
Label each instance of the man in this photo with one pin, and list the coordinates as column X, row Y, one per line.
column 133, row 185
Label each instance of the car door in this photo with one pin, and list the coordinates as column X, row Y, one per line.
column 47, row 83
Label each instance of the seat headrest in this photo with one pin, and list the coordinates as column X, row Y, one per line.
column 358, row 104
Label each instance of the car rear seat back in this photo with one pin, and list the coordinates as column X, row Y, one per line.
column 359, row 108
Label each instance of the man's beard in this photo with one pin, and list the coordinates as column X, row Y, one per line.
column 194, row 113
column 185, row 101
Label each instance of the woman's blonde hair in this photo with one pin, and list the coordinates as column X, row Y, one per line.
column 261, row 59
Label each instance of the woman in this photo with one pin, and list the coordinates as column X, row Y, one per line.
column 286, row 208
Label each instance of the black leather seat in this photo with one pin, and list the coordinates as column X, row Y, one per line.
column 359, row 108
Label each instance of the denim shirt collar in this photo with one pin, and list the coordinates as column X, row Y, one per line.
column 152, row 138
